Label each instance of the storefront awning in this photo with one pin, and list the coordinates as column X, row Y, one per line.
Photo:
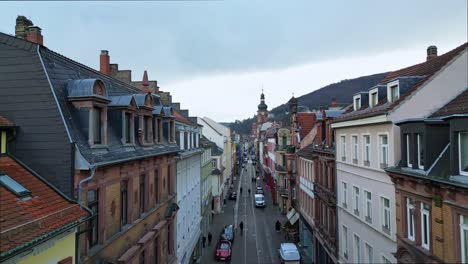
column 294, row 219
column 291, row 213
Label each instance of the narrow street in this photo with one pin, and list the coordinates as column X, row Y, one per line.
column 260, row 241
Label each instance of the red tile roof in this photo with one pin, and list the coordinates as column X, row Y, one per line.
column 427, row 69
column 306, row 122
column 25, row 221
column 459, row 105
column 179, row 117
column 5, row 122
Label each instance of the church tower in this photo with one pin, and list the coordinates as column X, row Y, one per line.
column 262, row 112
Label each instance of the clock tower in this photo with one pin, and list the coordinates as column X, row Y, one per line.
column 262, row 112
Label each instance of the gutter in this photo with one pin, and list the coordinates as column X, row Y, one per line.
column 53, row 93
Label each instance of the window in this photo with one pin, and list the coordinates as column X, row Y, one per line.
column 463, row 152
column 357, row 103
column 410, row 218
column 213, row 164
column 357, row 249
column 141, row 260
column 368, row 196
column 93, row 205
column 343, row 148
column 420, row 151
column 345, row 194
column 123, row 203
column 385, row 215
column 373, row 99
column 356, row 200
column 383, row 151
column 171, row 130
column 355, row 149
column 156, row 186
column 408, row 150
column 147, row 128
column 127, row 128
column 97, row 137
column 464, row 238
column 142, row 194
column 394, row 93
column 366, row 150
column 158, row 130
column 425, row 229
column 169, row 187
column 369, row 253
column 386, row 260
column 156, row 250
column 345, row 241
column 284, row 141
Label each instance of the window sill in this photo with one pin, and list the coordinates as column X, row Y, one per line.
column 343, row 158
column 368, row 220
column 98, row 146
column 367, row 163
column 386, row 230
column 383, row 165
column 345, row 205
column 355, row 161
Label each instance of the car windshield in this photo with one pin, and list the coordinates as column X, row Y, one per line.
column 228, row 231
column 224, row 246
column 259, row 199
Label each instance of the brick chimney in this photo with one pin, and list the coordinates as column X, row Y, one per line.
column 333, row 102
column 431, row 52
column 104, row 62
column 145, row 84
column 34, row 35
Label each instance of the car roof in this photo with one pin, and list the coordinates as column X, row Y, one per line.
column 259, row 195
column 289, row 251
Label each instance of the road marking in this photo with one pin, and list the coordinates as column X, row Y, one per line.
column 255, row 228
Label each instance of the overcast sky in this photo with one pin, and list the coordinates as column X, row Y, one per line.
column 214, row 56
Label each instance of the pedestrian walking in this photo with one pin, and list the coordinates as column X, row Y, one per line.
column 278, row 226
column 209, row 238
column 241, row 190
column 249, row 191
column 241, row 226
column 204, row 241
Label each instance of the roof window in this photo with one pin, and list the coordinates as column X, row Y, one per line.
column 357, row 102
column 14, row 187
column 393, row 91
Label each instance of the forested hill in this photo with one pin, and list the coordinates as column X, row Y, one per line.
column 343, row 91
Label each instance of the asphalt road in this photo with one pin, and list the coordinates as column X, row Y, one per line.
column 259, row 242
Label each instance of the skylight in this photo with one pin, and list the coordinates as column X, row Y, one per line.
column 13, row 186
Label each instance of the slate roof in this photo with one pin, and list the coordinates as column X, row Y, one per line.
column 215, row 150
column 306, row 152
column 457, row 106
column 44, row 215
column 180, row 118
column 60, row 71
column 306, row 122
column 422, row 71
column 5, row 122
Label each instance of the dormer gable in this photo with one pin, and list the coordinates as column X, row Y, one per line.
column 87, row 89
column 376, row 94
column 360, row 100
column 399, row 86
column 144, row 101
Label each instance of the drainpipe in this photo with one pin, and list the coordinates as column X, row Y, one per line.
column 93, row 169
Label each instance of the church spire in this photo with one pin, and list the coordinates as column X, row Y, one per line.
column 262, row 105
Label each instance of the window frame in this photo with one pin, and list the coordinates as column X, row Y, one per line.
column 343, row 147
column 462, row 172
column 384, row 212
column 95, row 221
column 123, row 203
column 344, row 230
column 382, row 147
column 371, row 97
column 357, row 102
column 366, row 149
column 356, row 200
column 368, row 254
column 344, row 186
column 463, row 227
column 420, row 146
column 368, row 206
column 426, row 213
column 408, row 150
column 97, row 112
column 410, row 225
column 355, row 142
column 393, row 86
column 142, row 192
column 356, row 248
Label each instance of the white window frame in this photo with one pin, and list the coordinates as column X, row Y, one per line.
column 355, row 142
column 376, row 93
column 356, row 200
column 418, row 136
column 357, row 102
column 382, row 147
column 408, row 150
column 366, row 148
column 410, row 216
column 463, row 228
column 395, row 84
column 356, row 248
column 344, row 230
column 368, row 254
column 343, row 147
column 344, row 193
column 425, row 213
column 367, row 206
column 384, row 211
column 462, row 172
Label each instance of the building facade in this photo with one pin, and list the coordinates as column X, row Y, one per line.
column 206, row 186
column 368, row 141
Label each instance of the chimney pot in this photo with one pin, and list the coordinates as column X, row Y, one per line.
column 431, row 52
column 104, row 62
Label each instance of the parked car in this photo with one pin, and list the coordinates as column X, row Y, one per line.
column 227, row 233
column 260, row 200
column 289, row 254
column 223, row 250
column 233, row 196
column 259, row 191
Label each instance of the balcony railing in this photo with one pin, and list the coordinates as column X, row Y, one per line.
column 280, row 168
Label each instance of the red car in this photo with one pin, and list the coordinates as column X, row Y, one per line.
column 223, row 250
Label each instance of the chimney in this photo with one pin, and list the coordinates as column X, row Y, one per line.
column 104, row 62
column 145, row 83
column 34, row 34
column 21, row 27
column 431, row 52
column 333, row 102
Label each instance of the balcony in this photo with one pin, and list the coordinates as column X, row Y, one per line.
column 281, row 148
column 283, row 192
column 281, row 169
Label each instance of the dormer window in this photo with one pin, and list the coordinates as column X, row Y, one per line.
column 147, row 129
column 96, row 125
column 393, row 91
column 463, row 152
column 172, row 131
column 128, row 125
column 357, row 102
column 145, row 123
column 408, row 150
column 420, row 141
column 374, row 99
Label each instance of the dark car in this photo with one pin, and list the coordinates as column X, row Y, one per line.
column 223, row 250
column 228, row 233
column 233, row 196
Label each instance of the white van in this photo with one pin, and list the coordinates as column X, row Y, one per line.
column 289, row 254
column 259, row 200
